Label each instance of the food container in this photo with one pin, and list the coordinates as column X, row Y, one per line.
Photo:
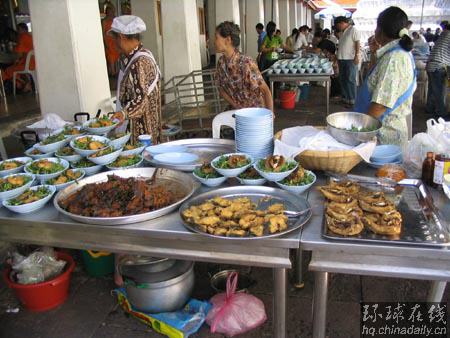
column 36, row 156
column 210, row 182
column 275, row 176
column 234, row 171
column 16, row 170
column 386, row 153
column 33, row 206
column 17, row 191
column 120, row 142
column 219, row 281
column 338, row 125
column 87, row 152
column 164, row 291
column 45, row 177
column 52, row 147
column 298, row 189
column 105, row 159
column 98, row 131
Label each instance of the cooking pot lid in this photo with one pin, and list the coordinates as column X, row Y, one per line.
column 140, row 276
column 140, row 260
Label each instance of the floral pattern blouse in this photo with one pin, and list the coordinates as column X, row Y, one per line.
column 241, row 79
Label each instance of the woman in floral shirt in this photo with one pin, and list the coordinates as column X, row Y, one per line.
column 237, row 76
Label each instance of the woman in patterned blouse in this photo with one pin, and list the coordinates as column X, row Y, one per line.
column 237, row 76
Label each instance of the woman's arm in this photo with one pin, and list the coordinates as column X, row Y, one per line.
column 376, row 110
column 228, row 98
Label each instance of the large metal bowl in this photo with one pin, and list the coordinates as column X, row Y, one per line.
column 339, row 125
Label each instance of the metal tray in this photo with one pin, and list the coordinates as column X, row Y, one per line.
column 206, row 149
column 422, row 222
column 263, row 197
column 181, row 182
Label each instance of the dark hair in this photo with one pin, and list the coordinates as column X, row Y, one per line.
column 270, row 29
column 326, row 32
column 278, row 31
column 230, row 29
column 415, row 35
column 259, row 26
column 318, row 34
column 390, row 22
column 444, row 24
column 340, row 19
column 409, row 23
column 23, row 25
column 294, row 31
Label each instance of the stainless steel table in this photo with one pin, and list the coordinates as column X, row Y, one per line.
column 384, row 260
column 162, row 237
column 302, row 77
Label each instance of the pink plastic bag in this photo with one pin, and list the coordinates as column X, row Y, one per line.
column 235, row 313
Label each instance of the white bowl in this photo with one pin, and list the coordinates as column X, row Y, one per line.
column 30, row 207
column 137, row 165
column 98, row 131
column 210, row 182
column 270, row 71
column 105, row 159
column 310, row 70
column 87, row 152
column 25, row 160
column 293, row 70
column 249, row 181
column 274, row 177
column 277, row 71
column 44, row 177
column 88, row 171
column 38, row 156
column 61, row 130
column 135, row 151
column 63, row 185
column 120, row 142
column 162, row 148
column 232, row 172
column 52, row 147
column 17, row 191
column 70, row 158
column 318, row 70
column 298, row 189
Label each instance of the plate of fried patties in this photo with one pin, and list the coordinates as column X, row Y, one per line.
column 350, row 209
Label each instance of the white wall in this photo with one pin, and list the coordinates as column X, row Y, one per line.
column 70, row 56
column 211, row 24
column 202, row 37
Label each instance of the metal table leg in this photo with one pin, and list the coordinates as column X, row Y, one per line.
column 298, row 278
column 320, row 304
column 328, row 95
column 3, row 153
column 279, row 302
column 437, row 291
column 271, row 88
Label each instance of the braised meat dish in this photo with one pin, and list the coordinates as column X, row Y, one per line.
column 119, row 197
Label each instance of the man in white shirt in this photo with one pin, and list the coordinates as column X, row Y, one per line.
column 309, row 35
column 300, row 40
column 348, row 58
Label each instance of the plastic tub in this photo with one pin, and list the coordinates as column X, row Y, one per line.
column 46, row 295
column 287, row 99
column 98, row 263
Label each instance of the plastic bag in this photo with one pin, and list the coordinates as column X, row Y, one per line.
column 235, row 313
column 38, row 267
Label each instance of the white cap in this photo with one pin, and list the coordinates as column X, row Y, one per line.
column 128, row 24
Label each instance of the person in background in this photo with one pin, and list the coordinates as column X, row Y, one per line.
column 333, row 37
column 429, row 37
column 326, row 44
column 290, row 40
column 437, row 34
column 409, row 25
column 309, row 35
column 300, row 39
column 261, row 35
column 437, row 73
column 112, row 54
column 329, row 49
column 237, row 76
column 23, row 47
column 278, row 33
column 420, row 46
column 387, row 92
column 348, row 56
column 271, row 44
column 138, row 84
column 316, row 39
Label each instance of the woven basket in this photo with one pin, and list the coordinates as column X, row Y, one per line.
column 338, row 161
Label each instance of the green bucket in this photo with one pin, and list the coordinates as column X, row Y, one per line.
column 98, row 263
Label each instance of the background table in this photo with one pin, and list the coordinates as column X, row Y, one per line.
column 302, row 77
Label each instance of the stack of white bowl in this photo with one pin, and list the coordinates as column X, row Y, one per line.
column 254, row 132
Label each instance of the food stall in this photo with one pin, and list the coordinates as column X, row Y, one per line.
column 239, row 215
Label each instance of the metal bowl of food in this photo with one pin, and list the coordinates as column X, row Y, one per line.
column 352, row 128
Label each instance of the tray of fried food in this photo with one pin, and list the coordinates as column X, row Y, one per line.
column 250, row 214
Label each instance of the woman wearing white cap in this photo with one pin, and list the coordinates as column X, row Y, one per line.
column 138, row 88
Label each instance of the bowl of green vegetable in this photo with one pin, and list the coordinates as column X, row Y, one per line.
column 208, row 176
column 13, row 165
column 105, row 156
column 15, row 184
column 90, row 168
column 251, row 177
column 232, row 165
column 298, row 182
column 36, row 154
column 31, row 199
column 352, row 128
column 68, row 153
column 126, row 162
column 46, row 168
column 52, row 143
column 275, row 168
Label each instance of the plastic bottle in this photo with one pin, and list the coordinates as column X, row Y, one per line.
column 428, row 169
column 438, row 175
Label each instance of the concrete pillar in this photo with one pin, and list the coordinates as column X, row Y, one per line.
column 308, row 16
column 70, row 57
column 293, row 20
column 147, row 10
column 227, row 10
column 242, row 26
column 181, row 45
column 276, row 12
column 283, row 23
column 211, row 23
column 255, row 14
column 202, row 31
column 267, row 12
column 300, row 14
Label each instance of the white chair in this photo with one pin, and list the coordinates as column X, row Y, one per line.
column 26, row 71
column 223, row 119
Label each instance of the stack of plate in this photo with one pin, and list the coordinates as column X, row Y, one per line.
column 254, row 132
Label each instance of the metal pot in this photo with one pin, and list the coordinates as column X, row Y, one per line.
column 219, row 281
column 165, row 291
column 133, row 264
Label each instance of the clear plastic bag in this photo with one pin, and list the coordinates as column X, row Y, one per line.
column 38, row 267
column 235, row 313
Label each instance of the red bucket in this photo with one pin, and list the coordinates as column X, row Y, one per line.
column 287, row 99
column 46, row 295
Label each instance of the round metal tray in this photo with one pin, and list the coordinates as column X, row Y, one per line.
column 181, row 182
column 206, row 149
column 263, row 197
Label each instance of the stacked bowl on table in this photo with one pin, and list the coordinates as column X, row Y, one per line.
column 254, row 132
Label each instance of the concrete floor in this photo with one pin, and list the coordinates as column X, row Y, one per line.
column 91, row 311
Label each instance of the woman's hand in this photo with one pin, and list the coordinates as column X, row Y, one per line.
column 119, row 116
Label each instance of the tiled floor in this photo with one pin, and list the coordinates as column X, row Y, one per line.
column 91, row 311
